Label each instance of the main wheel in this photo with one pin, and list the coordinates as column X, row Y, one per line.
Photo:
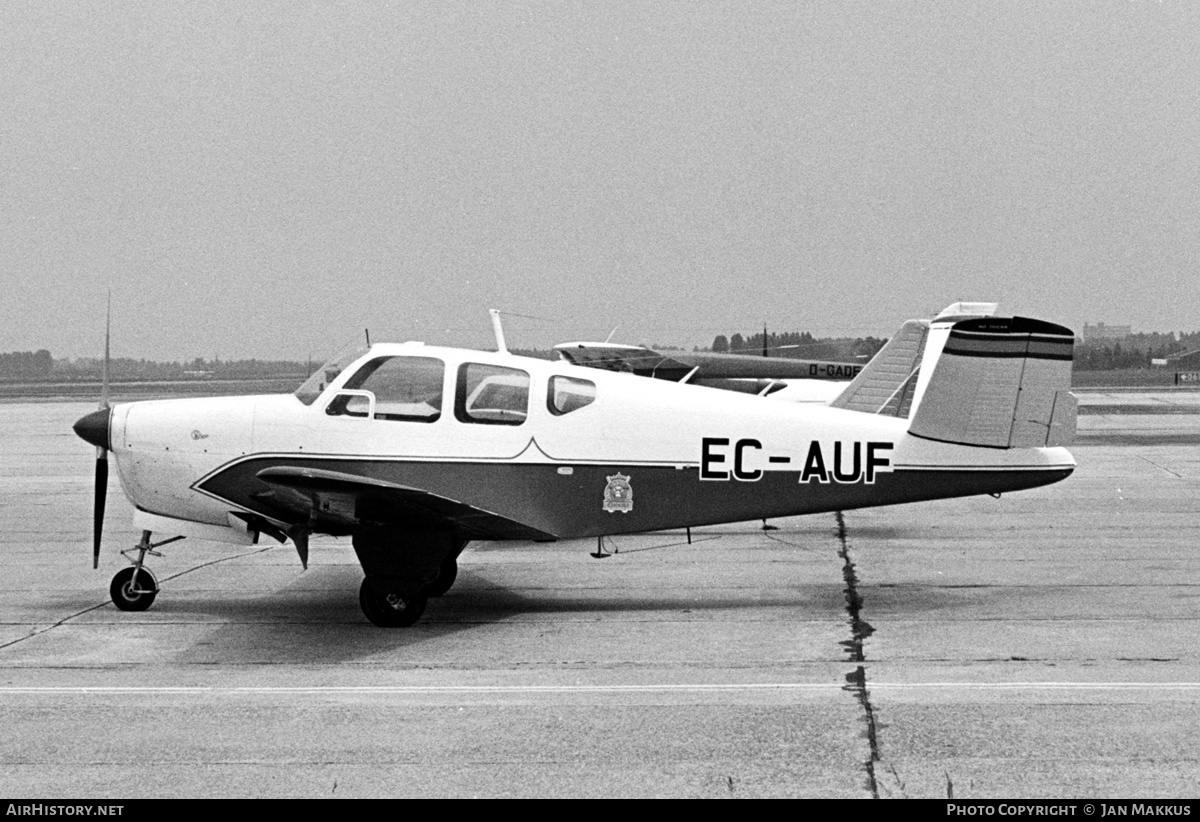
column 445, row 578
column 390, row 610
column 130, row 593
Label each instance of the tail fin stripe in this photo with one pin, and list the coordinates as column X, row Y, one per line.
column 1057, row 353
column 978, row 345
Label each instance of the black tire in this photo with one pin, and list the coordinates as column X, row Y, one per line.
column 129, row 594
column 390, row 610
column 445, row 578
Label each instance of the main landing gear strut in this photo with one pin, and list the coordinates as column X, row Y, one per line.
column 403, row 569
column 134, row 589
column 398, row 606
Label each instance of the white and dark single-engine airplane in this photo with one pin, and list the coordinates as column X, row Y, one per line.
column 414, row 450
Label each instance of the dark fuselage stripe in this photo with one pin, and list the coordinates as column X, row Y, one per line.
column 653, row 498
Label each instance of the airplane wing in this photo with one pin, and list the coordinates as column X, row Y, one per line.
column 636, row 359
column 346, row 500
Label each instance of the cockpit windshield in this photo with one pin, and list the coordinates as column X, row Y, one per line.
column 327, row 373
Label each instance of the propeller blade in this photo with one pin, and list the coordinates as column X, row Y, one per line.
column 94, row 428
column 107, row 338
column 101, row 497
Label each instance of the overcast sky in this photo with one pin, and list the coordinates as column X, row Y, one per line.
column 267, row 179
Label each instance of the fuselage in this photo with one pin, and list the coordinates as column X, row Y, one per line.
column 566, row 450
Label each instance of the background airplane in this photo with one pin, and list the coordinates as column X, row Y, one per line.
column 784, row 378
column 820, row 380
column 414, row 450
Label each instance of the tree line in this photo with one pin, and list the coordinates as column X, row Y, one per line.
column 26, row 365
column 1132, row 352
column 40, row 366
column 800, row 345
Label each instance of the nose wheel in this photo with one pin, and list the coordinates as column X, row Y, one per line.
column 133, row 589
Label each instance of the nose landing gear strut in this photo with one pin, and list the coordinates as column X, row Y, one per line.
column 134, row 589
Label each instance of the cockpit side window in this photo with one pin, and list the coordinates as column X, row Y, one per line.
column 567, row 394
column 491, row 394
column 316, row 384
column 404, row 388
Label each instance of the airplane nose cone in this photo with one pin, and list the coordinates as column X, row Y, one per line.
column 93, row 428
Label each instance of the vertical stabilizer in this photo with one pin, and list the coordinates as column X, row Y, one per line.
column 1000, row 382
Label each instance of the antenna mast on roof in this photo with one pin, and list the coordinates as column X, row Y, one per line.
column 499, row 330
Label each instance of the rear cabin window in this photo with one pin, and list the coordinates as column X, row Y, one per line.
column 567, row 394
column 491, row 394
column 402, row 388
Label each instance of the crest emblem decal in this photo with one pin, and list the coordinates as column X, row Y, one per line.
column 618, row 494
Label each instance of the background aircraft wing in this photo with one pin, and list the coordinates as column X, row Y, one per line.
column 341, row 500
column 636, row 359
column 702, row 367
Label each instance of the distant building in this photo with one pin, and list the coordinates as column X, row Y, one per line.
column 1100, row 332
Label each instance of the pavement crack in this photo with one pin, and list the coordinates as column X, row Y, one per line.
column 860, row 629
column 856, row 683
column 217, row 561
column 790, row 543
column 1160, row 467
column 39, row 631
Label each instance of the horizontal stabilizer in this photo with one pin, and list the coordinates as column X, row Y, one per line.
column 962, row 311
column 1000, row 382
column 886, row 385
